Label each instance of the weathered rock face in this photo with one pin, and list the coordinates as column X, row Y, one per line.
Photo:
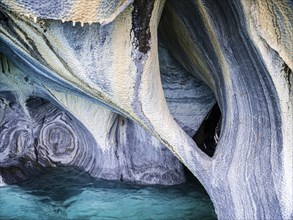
column 227, row 44
column 84, row 12
column 99, row 98
column 37, row 134
column 50, row 137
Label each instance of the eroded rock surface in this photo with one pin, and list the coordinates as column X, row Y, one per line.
column 36, row 134
column 105, row 81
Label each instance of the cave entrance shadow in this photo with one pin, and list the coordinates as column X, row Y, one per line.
column 207, row 136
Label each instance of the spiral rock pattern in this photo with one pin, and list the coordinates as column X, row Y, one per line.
column 15, row 139
column 241, row 50
column 50, row 137
column 16, row 132
column 57, row 139
column 61, row 140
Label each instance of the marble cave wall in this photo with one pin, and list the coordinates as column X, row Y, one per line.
column 140, row 91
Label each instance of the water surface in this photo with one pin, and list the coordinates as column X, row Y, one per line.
column 70, row 194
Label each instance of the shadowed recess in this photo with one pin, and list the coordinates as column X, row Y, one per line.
column 207, row 136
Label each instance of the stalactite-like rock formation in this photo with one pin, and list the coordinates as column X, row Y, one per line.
column 100, row 92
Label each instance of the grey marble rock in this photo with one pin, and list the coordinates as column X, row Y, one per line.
column 189, row 99
column 37, row 134
column 110, row 85
column 47, row 135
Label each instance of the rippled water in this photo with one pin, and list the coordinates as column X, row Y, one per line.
column 71, row 194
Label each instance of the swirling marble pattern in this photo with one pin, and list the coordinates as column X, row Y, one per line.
column 60, row 141
column 47, row 137
column 189, row 99
column 16, row 137
column 50, row 137
column 56, row 138
column 244, row 78
column 240, row 49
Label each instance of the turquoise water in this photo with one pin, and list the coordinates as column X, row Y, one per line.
column 71, row 194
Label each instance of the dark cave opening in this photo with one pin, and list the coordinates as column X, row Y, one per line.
column 207, row 136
